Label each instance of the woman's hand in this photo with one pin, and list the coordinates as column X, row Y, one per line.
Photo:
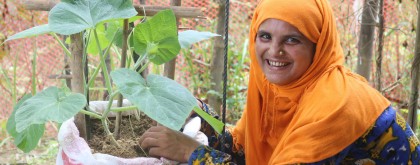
column 167, row 143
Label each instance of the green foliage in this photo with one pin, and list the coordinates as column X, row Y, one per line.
column 198, row 61
column 238, row 79
column 92, row 47
column 27, row 139
column 115, row 27
column 189, row 37
column 161, row 98
column 52, row 104
column 73, row 16
column 216, row 124
column 34, row 31
column 157, row 38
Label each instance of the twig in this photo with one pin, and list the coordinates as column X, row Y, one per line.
column 392, row 86
column 202, row 62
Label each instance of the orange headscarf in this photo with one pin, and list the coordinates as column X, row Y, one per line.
column 316, row 116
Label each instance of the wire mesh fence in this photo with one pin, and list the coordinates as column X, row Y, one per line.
column 398, row 47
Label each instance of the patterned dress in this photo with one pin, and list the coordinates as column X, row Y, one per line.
column 389, row 141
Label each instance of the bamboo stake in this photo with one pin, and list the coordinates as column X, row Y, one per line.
column 150, row 10
column 169, row 68
column 77, row 80
column 118, row 118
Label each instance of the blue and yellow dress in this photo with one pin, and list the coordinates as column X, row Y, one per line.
column 389, row 141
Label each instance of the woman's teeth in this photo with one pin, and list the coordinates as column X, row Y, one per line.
column 277, row 64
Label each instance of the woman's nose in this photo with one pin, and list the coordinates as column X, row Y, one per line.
column 276, row 50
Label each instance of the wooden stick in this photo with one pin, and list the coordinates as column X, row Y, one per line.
column 169, row 68
column 77, row 81
column 149, row 10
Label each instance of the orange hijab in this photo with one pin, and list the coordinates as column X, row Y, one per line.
column 316, row 116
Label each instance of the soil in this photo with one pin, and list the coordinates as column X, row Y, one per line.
column 131, row 130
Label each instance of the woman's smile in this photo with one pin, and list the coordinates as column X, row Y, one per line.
column 283, row 53
column 277, row 64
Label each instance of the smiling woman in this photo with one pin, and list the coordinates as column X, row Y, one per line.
column 283, row 53
column 303, row 105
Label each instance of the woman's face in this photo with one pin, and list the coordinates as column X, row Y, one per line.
column 275, row 36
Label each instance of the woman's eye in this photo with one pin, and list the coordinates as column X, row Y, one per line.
column 265, row 36
column 292, row 40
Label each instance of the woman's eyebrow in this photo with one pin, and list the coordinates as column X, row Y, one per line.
column 291, row 34
column 295, row 35
column 262, row 32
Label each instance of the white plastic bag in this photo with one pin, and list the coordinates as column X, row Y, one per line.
column 75, row 151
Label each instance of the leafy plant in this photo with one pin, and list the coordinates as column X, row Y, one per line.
column 155, row 40
column 197, row 63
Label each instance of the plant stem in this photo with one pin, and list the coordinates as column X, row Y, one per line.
column 14, row 97
column 102, row 63
column 94, row 75
column 104, row 68
column 33, row 77
column 67, row 51
column 5, row 141
column 91, row 114
column 108, row 109
column 140, row 61
column 144, row 67
column 97, row 89
column 6, row 77
column 122, row 109
column 115, row 50
column 129, row 49
column 109, row 134
column 85, row 65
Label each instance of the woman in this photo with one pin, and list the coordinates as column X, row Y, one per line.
column 303, row 106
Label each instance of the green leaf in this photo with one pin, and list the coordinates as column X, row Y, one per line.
column 116, row 26
column 216, row 124
column 160, row 98
column 103, row 40
column 73, row 16
column 28, row 139
column 135, row 18
column 52, row 104
column 189, row 37
column 34, row 31
column 158, row 38
column 164, row 51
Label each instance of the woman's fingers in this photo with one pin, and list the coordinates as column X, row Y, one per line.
column 153, row 132
column 149, row 142
column 164, row 142
column 157, row 152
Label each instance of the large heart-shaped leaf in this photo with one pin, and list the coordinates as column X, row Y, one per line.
column 161, row 98
column 189, row 37
column 52, row 104
column 34, row 31
column 73, row 16
column 28, row 139
column 158, row 38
